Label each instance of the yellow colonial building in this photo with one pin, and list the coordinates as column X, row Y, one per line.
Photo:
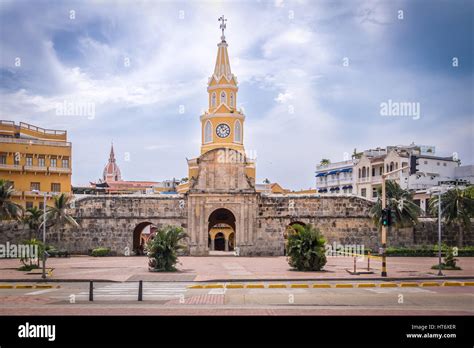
column 36, row 161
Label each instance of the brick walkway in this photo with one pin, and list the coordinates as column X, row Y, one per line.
column 224, row 268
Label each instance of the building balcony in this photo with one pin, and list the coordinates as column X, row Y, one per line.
column 11, row 167
column 34, row 193
column 17, row 193
column 11, row 140
column 59, row 170
column 35, row 169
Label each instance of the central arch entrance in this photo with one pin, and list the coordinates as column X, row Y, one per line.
column 141, row 235
column 221, row 230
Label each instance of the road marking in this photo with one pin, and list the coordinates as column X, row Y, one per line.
column 408, row 285
column 344, row 285
column 41, row 292
column 213, row 286
column 130, row 290
column 321, row 286
column 366, row 285
column 6, row 286
column 255, row 286
column 430, row 284
column 299, row 286
column 388, row 285
column 24, row 286
column 468, row 283
column 452, row 284
column 399, row 290
column 234, row 286
column 276, row 286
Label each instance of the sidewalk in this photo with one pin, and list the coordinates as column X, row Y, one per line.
column 215, row 268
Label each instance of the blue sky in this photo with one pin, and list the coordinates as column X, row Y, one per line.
column 302, row 104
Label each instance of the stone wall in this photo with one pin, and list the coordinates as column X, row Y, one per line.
column 261, row 220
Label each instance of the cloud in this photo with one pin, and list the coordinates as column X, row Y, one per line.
column 138, row 64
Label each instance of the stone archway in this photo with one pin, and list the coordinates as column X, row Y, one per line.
column 141, row 234
column 221, row 230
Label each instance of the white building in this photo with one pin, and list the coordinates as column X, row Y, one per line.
column 335, row 178
column 362, row 176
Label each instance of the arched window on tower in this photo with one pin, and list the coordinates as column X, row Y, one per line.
column 208, row 132
column 232, row 99
column 213, row 100
column 223, row 97
column 237, row 132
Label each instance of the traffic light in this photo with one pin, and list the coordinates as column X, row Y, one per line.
column 386, row 217
column 413, row 165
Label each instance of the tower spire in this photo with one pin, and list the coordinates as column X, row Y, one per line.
column 222, row 62
column 222, row 26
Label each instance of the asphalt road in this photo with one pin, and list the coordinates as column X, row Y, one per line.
column 178, row 298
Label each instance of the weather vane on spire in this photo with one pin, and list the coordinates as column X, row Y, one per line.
column 222, row 26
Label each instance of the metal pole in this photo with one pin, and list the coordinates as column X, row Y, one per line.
column 44, row 237
column 384, row 231
column 140, row 290
column 355, row 268
column 91, row 291
column 439, row 234
column 368, row 261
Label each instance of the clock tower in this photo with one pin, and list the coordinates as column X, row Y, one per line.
column 222, row 125
column 222, row 165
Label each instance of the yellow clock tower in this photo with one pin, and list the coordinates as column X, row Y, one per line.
column 222, row 124
column 222, row 127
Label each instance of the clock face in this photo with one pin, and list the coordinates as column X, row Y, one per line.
column 223, row 130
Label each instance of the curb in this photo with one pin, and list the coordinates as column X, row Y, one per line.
column 28, row 286
column 326, row 285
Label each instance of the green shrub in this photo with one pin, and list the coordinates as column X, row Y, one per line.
column 427, row 251
column 100, row 252
column 163, row 249
column 306, row 248
column 27, row 268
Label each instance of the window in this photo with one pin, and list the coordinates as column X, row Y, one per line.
column 381, row 170
column 232, row 99
column 55, row 187
column 66, row 163
column 3, row 159
column 237, row 132
column 213, row 100
column 29, row 205
column 444, row 164
column 35, row 186
column 41, row 162
column 208, row 132
column 373, row 171
column 41, row 205
column 437, row 163
column 29, row 160
column 363, row 192
column 223, row 97
column 53, row 162
column 374, row 192
column 360, row 176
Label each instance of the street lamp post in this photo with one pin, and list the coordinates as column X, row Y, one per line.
column 439, row 234
column 44, row 237
column 43, row 275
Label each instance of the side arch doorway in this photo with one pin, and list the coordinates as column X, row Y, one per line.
column 142, row 233
column 221, row 230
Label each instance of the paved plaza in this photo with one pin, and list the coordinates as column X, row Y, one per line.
column 227, row 268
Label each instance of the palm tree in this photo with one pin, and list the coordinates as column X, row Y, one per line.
column 58, row 215
column 457, row 206
column 404, row 211
column 164, row 247
column 306, row 248
column 8, row 209
column 32, row 217
column 325, row 162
